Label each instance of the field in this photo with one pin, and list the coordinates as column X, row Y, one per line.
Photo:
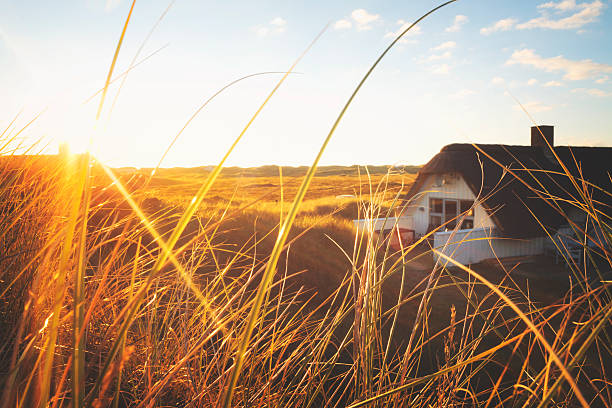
column 249, row 204
column 344, row 319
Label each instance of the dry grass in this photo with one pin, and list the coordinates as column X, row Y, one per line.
column 210, row 290
column 343, row 320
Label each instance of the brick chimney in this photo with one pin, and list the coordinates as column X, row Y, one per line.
column 542, row 130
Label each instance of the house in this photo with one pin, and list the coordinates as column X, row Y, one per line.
column 495, row 201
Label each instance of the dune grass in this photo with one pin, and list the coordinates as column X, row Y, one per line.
column 346, row 319
column 117, row 289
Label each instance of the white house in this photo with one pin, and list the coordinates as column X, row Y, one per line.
column 496, row 201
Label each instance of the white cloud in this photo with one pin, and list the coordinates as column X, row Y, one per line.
column 278, row 22
column 562, row 5
column 553, row 84
column 593, row 92
column 444, row 53
column 498, row 81
column 534, row 107
column 574, row 70
column 445, row 46
column 602, row 80
column 277, row 25
column 532, row 82
column 437, row 57
column 462, row 94
column 363, row 19
column 342, row 24
column 459, row 21
column 441, row 69
column 580, row 14
column 585, row 13
column 501, row 25
column 414, row 31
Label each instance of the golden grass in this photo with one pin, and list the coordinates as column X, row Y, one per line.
column 203, row 289
column 336, row 321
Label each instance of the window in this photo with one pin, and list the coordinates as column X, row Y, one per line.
column 436, row 205
column 449, row 212
column 436, row 212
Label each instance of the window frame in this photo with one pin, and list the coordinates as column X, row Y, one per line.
column 465, row 213
column 439, row 214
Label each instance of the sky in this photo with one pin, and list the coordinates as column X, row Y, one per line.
column 457, row 77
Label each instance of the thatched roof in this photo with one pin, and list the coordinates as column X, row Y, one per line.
column 516, row 209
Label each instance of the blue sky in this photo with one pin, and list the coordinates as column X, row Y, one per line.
column 454, row 79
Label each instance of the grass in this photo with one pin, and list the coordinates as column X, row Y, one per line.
column 336, row 322
column 221, row 286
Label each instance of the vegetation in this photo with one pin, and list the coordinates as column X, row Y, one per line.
column 198, row 288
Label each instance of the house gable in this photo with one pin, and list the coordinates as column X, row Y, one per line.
column 444, row 186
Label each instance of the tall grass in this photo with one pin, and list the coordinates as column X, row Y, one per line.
column 112, row 297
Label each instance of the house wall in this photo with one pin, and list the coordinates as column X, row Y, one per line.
column 473, row 246
column 457, row 188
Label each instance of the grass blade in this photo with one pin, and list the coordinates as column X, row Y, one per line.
column 286, row 226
